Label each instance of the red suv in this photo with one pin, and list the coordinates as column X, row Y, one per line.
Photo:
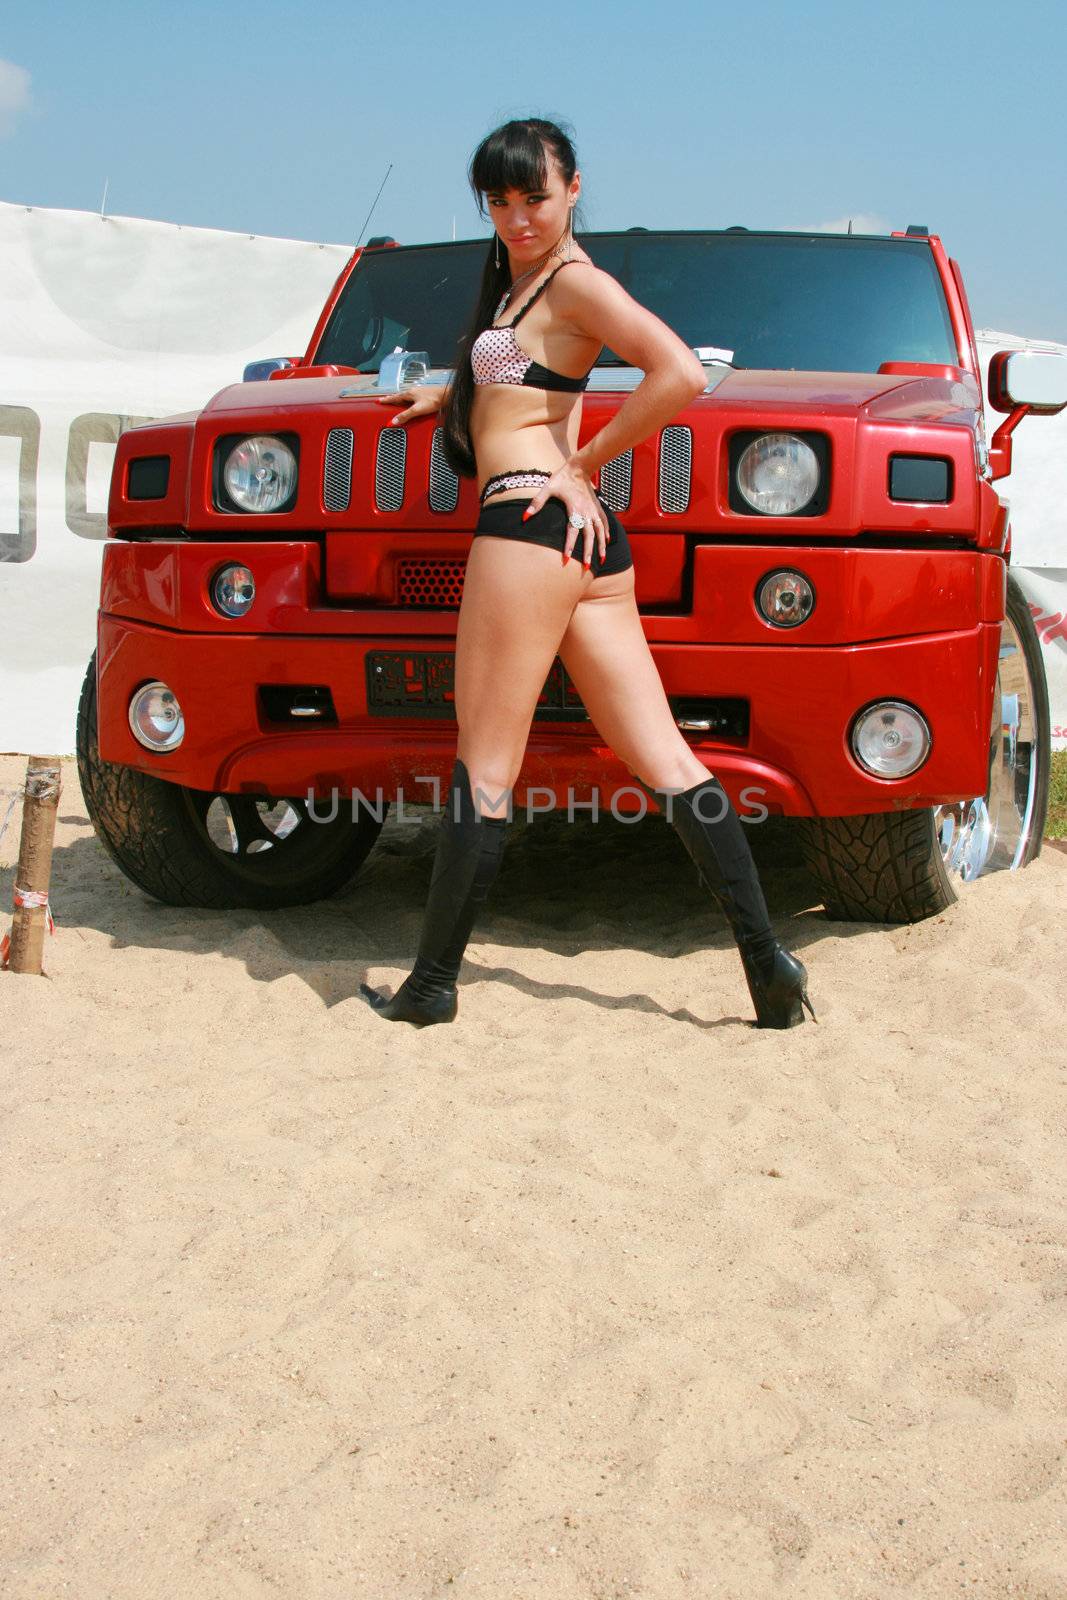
column 822, row 568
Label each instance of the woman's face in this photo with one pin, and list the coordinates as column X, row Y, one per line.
column 531, row 222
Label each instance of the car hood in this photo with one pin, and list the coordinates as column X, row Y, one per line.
column 941, row 395
column 888, row 397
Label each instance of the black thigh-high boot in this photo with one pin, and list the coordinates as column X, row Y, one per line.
column 469, row 851
column 714, row 836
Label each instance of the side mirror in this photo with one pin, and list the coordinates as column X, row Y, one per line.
column 1036, row 379
column 256, row 371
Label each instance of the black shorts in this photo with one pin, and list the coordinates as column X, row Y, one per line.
column 549, row 527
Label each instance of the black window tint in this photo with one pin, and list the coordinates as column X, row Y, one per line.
column 808, row 302
column 419, row 298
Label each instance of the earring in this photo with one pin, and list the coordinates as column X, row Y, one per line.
column 496, row 249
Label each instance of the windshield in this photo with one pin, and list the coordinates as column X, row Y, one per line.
column 807, row 302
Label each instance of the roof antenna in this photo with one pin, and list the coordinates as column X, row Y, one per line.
column 103, row 202
column 377, row 197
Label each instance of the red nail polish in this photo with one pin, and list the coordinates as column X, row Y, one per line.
column 526, row 513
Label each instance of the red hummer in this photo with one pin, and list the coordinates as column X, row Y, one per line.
column 822, row 568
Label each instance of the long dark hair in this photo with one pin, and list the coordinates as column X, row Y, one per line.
column 514, row 156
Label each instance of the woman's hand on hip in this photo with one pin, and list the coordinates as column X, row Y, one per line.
column 424, row 400
column 574, row 487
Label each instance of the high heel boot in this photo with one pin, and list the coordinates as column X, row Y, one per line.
column 469, row 851
column 714, row 836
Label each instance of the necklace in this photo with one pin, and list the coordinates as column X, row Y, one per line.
column 505, row 298
column 510, row 290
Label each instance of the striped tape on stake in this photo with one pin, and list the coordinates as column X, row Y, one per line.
column 25, row 898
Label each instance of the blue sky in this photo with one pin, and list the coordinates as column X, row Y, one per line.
column 282, row 120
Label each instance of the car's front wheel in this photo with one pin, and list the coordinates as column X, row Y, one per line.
column 192, row 847
column 903, row 866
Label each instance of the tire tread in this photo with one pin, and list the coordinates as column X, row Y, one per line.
column 877, row 867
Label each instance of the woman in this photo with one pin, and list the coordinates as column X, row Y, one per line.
column 511, row 417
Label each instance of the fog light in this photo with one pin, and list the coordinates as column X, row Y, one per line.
column 156, row 717
column 785, row 598
column 890, row 739
column 232, row 591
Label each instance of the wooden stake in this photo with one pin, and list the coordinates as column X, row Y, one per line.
column 34, row 870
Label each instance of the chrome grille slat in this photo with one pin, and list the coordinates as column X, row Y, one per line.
column 337, row 470
column 616, row 479
column 675, row 468
column 390, row 461
column 444, row 484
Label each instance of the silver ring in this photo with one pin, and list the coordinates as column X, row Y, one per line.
column 576, row 520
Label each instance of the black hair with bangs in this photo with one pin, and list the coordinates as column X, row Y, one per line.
column 514, row 156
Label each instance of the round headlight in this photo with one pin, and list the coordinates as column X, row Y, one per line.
column 260, row 473
column 785, row 598
column 156, row 717
column 778, row 474
column 891, row 739
column 233, row 590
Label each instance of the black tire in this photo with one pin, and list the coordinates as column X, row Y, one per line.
column 157, row 833
column 878, row 866
column 890, row 866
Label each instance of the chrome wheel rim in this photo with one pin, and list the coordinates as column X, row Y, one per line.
column 991, row 832
column 242, row 825
column 270, row 841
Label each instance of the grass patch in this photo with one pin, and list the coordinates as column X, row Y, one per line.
column 1056, row 826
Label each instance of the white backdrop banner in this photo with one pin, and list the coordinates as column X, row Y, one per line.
column 1046, row 592
column 1036, row 493
column 104, row 321
column 108, row 320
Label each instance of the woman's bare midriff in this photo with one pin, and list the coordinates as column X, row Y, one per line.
column 514, row 428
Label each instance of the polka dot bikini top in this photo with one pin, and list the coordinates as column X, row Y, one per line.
column 497, row 357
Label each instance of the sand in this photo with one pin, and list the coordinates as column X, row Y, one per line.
column 598, row 1293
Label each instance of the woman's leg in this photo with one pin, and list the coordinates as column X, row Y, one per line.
column 517, row 599
column 606, row 654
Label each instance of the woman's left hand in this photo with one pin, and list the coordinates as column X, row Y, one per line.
column 574, row 487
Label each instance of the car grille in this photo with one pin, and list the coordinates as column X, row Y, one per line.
column 675, row 468
column 616, row 477
column 390, row 469
column 423, row 581
column 389, row 464
column 444, row 485
column 337, row 470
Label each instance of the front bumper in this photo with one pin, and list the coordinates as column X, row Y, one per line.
column 794, row 761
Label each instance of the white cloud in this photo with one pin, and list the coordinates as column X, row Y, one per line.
column 14, row 94
column 862, row 222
